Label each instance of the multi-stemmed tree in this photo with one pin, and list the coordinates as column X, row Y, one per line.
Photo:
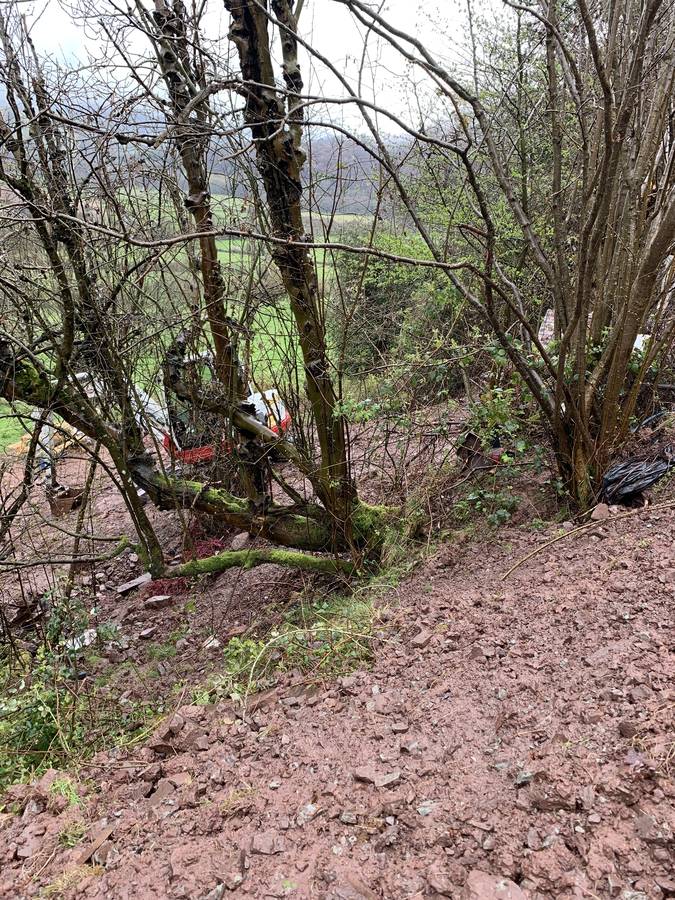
column 56, row 167
column 583, row 172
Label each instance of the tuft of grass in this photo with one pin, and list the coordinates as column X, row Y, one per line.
column 45, row 724
column 324, row 638
column 69, row 880
column 239, row 800
column 64, row 787
column 161, row 651
column 12, row 428
column 71, row 835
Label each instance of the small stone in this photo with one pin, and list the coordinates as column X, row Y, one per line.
column 307, row 813
column 147, row 633
column 426, row 807
column 388, row 780
column 101, row 856
column 267, row 843
column 627, row 728
column 364, row 774
column 399, row 727
column 129, row 586
column 211, row 643
column 422, row 639
column 159, row 601
column 482, row 886
column 215, row 894
column 163, row 791
column 274, row 784
column 180, row 779
column 648, row 829
column 349, row 818
column 440, row 884
column 239, row 541
column 523, row 778
column 533, row 841
column 600, row 512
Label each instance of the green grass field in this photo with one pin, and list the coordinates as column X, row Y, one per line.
column 11, row 427
column 274, row 350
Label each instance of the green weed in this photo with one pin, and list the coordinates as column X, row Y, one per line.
column 64, row 787
column 324, row 638
column 72, row 834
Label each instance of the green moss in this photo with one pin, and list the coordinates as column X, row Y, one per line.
column 247, row 559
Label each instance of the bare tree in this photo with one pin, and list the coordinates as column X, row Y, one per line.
column 83, row 238
column 600, row 231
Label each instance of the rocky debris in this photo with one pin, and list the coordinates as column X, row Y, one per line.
column 422, row 639
column 426, row 807
column 600, row 512
column 267, row 843
column 239, row 541
column 348, row 818
column 129, row 586
column 96, row 841
column 367, row 775
column 350, row 887
column 388, row 780
column 399, row 782
column 441, row 884
column 159, row 601
column 483, row 886
column 30, row 841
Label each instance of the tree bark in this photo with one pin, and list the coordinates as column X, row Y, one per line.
column 280, row 160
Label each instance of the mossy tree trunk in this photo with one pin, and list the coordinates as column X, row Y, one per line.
column 276, row 128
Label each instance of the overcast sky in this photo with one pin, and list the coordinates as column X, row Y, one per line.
column 327, row 25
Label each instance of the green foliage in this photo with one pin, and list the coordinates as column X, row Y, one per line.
column 500, row 414
column 11, row 427
column 326, row 638
column 72, row 834
column 161, row 651
column 64, row 787
column 368, row 312
column 496, row 507
column 48, row 719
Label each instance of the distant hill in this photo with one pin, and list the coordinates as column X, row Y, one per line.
column 341, row 177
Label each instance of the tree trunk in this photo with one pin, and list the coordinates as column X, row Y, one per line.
column 280, row 160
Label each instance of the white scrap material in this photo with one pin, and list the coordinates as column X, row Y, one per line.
column 84, row 640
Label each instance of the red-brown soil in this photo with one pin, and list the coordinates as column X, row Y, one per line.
column 514, row 738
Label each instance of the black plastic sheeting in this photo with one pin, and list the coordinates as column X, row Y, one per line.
column 624, row 481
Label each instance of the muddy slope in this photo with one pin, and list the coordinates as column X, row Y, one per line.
column 514, row 739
